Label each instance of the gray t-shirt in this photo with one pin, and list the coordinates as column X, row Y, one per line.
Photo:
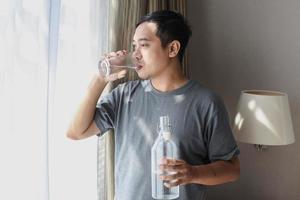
column 200, row 129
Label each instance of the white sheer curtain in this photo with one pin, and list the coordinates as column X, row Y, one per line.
column 73, row 164
column 43, row 75
column 24, row 27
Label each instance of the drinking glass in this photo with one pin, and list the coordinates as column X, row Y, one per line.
column 107, row 66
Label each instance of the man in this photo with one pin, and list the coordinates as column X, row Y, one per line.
column 200, row 126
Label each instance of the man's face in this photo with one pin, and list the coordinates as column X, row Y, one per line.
column 151, row 57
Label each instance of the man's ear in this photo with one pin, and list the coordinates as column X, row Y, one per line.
column 174, row 48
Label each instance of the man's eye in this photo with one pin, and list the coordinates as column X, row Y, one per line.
column 141, row 45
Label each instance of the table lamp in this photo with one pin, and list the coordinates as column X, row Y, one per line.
column 263, row 118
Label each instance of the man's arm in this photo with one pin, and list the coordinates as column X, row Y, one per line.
column 83, row 125
column 215, row 173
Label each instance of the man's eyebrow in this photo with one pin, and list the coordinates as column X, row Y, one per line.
column 142, row 39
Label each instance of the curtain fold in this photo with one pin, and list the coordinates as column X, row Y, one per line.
column 123, row 17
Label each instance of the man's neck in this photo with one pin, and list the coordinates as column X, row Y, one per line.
column 169, row 80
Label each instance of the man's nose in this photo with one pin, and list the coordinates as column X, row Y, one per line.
column 137, row 55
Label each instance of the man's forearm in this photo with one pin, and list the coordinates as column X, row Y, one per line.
column 85, row 113
column 215, row 173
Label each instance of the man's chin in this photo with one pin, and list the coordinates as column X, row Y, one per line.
column 142, row 76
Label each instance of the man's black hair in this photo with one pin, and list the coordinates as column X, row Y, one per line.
column 170, row 26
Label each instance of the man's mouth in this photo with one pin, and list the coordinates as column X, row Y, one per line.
column 138, row 67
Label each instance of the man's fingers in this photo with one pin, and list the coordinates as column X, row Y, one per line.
column 171, row 177
column 122, row 74
column 113, row 54
column 168, row 161
column 174, row 183
column 120, row 53
column 176, row 168
column 172, row 165
column 117, row 75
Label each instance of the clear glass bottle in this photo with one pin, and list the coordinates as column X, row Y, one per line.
column 163, row 147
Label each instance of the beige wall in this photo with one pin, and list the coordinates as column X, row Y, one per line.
column 251, row 44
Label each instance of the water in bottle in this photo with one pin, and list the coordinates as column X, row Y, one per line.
column 163, row 147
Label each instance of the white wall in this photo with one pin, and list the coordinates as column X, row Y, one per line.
column 251, row 44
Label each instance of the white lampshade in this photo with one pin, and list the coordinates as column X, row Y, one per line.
column 263, row 117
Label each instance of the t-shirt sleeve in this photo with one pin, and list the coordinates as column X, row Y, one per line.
column 220, row 140
column 106, row 111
